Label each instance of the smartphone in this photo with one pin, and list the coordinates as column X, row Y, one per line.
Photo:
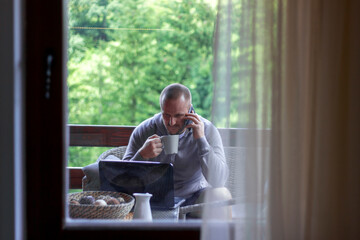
column 188, row 121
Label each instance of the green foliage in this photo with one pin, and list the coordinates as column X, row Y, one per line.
column 122, row 53
column 133, row 49
column 82, row 156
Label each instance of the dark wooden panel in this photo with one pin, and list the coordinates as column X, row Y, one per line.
column 76, row 175
column 100, row 136
column 45, row 119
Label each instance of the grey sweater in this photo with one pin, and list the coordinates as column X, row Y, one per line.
column 195, row 159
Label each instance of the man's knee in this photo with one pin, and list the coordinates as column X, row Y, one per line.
column 214, row 194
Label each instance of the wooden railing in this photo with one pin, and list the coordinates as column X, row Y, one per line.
column 99, row 135
column 115, row 136
column 95, row 136
column 76, row 175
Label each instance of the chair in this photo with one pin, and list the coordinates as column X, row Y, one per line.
column 118, row 152
column 91, row 180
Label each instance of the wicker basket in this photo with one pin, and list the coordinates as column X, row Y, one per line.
column 119, row 211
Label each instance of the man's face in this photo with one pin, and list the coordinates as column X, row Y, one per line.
column 173, row 113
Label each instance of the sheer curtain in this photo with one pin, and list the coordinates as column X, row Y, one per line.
column 287, row 76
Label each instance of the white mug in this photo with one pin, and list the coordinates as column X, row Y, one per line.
column 170, row 143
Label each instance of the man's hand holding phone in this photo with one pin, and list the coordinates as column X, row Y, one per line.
column 196, row 124
column 151, row 148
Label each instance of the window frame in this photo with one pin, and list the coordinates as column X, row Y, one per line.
column 47, row 138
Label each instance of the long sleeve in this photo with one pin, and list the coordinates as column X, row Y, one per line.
column 212, row 157
column 132, row 151
column 137, row 140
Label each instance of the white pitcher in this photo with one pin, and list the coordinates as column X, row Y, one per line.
column 142, row 209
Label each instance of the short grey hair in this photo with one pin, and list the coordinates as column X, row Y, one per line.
column 174, row 91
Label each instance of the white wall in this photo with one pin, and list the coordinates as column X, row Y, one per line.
column 10, row 121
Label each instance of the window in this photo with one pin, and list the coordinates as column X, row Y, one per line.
column 122, row 53
column 47, row 134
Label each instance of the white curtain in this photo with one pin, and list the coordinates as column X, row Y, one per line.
column 287, row 73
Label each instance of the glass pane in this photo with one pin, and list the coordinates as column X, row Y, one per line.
column 122, row 53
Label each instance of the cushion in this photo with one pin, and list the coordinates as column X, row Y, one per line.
column 91, row 180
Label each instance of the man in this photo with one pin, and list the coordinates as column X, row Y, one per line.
column 200, row 147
